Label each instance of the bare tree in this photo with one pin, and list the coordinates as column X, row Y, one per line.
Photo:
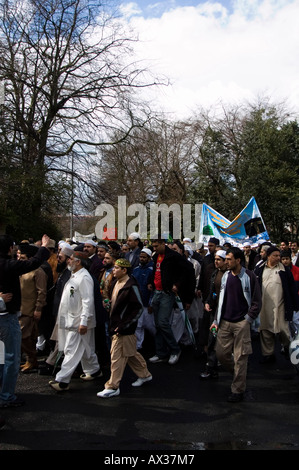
column 153, row 165
column 69, row 84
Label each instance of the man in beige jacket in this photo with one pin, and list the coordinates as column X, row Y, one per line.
column 33, row 299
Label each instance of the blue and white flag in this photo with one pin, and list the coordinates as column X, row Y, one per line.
column 247, row 226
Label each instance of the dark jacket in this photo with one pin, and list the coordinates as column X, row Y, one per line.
column 290, row 294
column 11, row 269
column 101, row 313
column 127, row 308
column 59, row 286
column 135, row 258
column 142, row 274
column 176, row 269
column 207, row 269
column 96, row 266
column 213, row 296
column 252, row 260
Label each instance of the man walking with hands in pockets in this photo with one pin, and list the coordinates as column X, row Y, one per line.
column 239, row 304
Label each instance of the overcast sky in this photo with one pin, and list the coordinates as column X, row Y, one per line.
column 219, row 51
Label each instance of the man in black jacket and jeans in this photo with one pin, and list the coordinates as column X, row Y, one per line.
column 173, row 275
column 10, row 330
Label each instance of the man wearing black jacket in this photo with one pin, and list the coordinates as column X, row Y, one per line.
column 10, row 330
column 173, row 275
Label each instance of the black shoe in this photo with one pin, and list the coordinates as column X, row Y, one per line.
column 2, row 422
column 46, row 370
column 268, row 359
column 209, row 374
column 235, row 397
column 12, row 404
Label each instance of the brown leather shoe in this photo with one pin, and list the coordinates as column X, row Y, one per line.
column 29, row 367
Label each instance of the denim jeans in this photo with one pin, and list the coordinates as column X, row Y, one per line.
column 10, row 334
column 162, row 304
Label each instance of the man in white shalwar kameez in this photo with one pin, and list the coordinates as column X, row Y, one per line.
column 77, row 322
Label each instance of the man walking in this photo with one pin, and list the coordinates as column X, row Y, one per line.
column 172, row 275
column 135, row 246
column 95, row 263
column 126, row 307
column 239, row 304
column 33, row 300
column 211, row 302
column 279, row 302
column 64, row 274
column 10, row 330
column 142, row 273
column 77, row 321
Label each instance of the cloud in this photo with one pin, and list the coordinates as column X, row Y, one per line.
column 212, row 53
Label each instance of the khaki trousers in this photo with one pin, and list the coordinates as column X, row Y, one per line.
column 233, row 347
column 268, row 340
column 123, row 352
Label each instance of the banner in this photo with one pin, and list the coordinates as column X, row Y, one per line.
column 247, row 226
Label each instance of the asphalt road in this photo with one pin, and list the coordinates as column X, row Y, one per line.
column 176, row 413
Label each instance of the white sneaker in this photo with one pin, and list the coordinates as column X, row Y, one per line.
column 108, row 392
column 174, row 358
column 157, row 359
column 141, row 381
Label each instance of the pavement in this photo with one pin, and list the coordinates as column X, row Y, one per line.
column 176, row 413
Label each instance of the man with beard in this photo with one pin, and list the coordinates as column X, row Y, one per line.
column 249, row 255
column 77, row 321
column 95, row 263
column 107, row 275
column 135, row 246
column 64, row 274
column 279, row 302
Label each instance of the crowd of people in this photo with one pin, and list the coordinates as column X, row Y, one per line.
column 88, row 306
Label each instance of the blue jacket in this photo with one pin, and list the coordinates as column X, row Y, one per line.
column 251, row 291
column 142, row 275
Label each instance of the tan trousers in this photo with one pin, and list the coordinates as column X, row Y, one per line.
column 268, row 340
column 233, row 347
column 123, row 352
